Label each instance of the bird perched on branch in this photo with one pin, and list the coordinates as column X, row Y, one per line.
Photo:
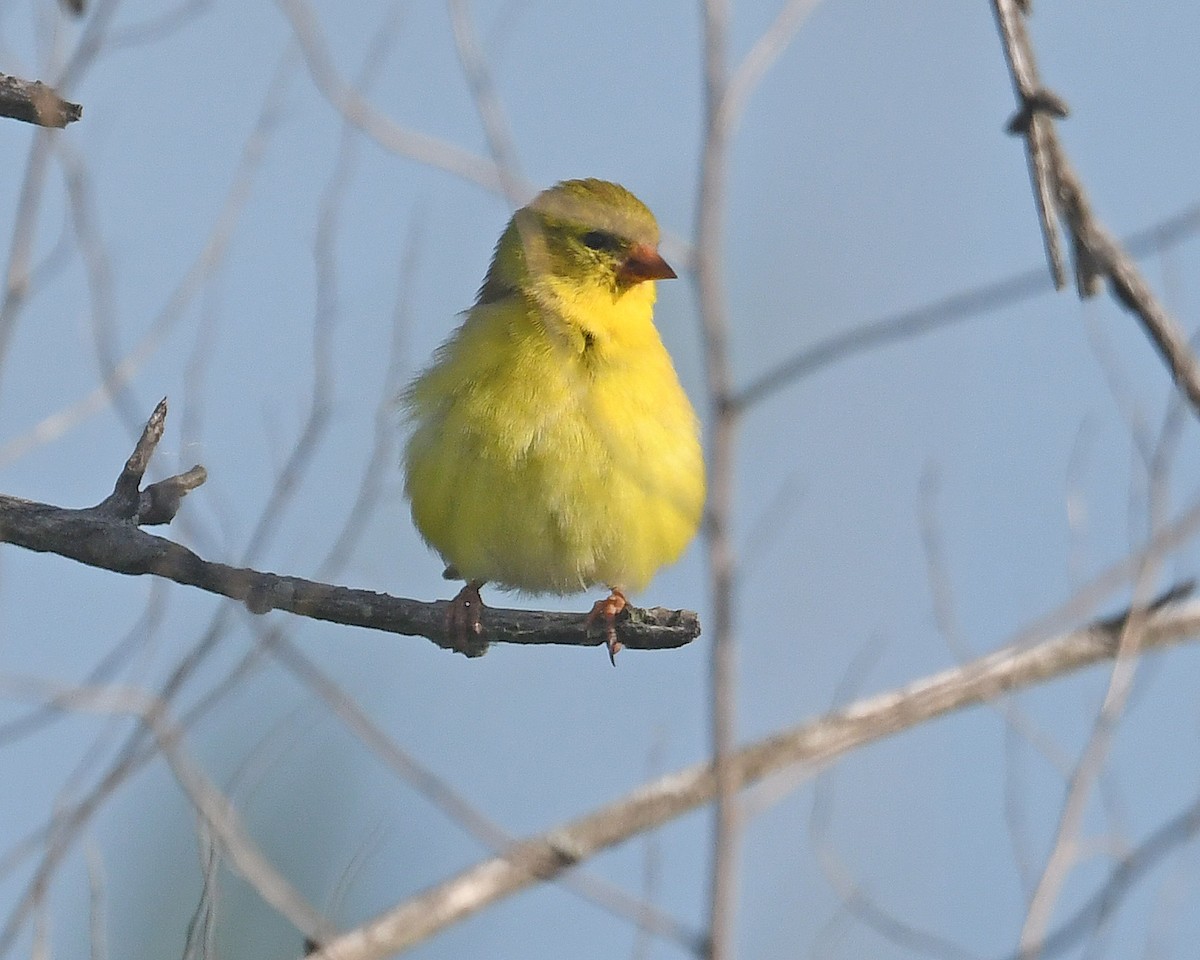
column 552, row 446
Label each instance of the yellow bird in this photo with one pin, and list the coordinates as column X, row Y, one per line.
column 552, row 446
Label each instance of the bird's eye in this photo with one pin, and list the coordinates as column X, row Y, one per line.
column 602, row 241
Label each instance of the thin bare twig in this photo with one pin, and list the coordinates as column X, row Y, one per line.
column 856, row 901
column 211, row 805
column 1061, row 195
column 41, row 716
column 1097, row 255
column 1134, row 865
column 652, row 864
column 382, row 457
column 1125, row 280
column 766, row 50
column 357, row 110
column 1032, row 120
column 216, row 245
column 103, row 312
column 137, row 751
column 487, row 104
column 441, row 794
column 60, row 830
column 97, row 904
column 160, row 25
column 945, row 312
column 17, row 273
column 708, row 263
column 1066, row 847
column 90, row 243
column 201, row 928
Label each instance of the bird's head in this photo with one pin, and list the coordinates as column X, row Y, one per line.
column 576, row 241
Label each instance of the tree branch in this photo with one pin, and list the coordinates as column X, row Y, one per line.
column 1033, row 121
column 951, row 309
column 719, row 122
column 108, row 536
column 34, row 102
column 817, row 742
column 1060, row 192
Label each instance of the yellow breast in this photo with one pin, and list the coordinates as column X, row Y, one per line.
column 551, row 453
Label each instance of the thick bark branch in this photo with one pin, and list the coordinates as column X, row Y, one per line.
column 34, row 102
column 108, row 536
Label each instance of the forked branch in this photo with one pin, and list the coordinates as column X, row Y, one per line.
column 109, row 536
column 1061, row 198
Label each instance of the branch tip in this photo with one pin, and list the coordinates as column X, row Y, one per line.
column 152, row 433
column 34, row 102
column 160, row 501
column 125, row 500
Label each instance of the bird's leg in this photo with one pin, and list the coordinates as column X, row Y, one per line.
column 608, row 609
column 462, row 620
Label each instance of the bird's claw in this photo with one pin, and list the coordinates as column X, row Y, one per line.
column 608, row 610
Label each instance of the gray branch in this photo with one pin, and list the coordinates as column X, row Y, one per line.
column 109, row 536
column 34, row 102
column 1060, row 194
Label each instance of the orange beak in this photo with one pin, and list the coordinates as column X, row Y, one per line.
column 645, row 263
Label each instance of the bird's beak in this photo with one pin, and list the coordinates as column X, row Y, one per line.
column 645, row 263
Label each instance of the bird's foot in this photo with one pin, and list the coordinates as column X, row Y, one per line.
column 608, row 610
column 462, row 621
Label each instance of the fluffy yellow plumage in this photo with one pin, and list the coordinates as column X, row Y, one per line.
column 552, row 447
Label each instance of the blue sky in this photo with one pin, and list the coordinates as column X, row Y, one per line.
column 870, row 175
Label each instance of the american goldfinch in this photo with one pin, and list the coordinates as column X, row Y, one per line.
column 552, row 448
